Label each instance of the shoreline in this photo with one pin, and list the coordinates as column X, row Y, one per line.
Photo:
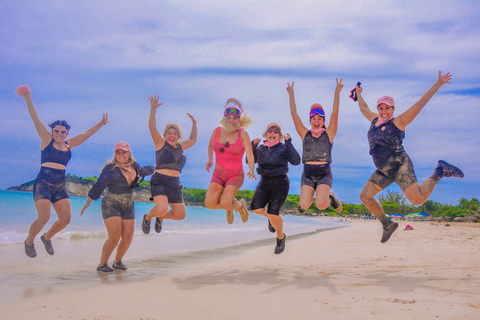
column 431, row 272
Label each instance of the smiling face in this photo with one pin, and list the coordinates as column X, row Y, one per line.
column 273, row 134
column 122, row 156
column 317, row 121
column 385, row 111
column 171, row 137
column 233, row 120
column 59, row 133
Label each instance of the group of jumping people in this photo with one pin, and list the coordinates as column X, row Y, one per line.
column 227, row 146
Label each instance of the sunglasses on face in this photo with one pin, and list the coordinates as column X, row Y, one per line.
column 273, row 130
column 120, row 152
column 60, row 131
column 235, row 112
column 225, row 146
column 320, row 112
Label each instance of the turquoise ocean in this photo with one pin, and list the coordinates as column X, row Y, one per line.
column 204, row 234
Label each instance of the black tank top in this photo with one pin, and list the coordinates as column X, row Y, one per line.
column 169, row 157
column 51, row 154
column 387, row 134
column 317, row 149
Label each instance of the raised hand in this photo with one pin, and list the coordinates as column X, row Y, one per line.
column 154, row 104
column 339, row 86
column 104, row 118
column 191, row 117
column 445, row 78
column 290, row 88
column 286, row 136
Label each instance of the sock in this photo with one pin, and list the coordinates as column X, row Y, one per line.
column 437, row 175
column 384, row 220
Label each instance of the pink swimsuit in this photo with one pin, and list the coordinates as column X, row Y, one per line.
column 228, row 161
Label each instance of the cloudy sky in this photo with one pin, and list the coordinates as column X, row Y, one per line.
column 82, row 58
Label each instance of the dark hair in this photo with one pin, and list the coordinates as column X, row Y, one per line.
column 62, row 123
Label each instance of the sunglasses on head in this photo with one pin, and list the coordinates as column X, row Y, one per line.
column 60, row 131
column 273, row 130
column 233, row 111
column 320, row 112
column 222, row 149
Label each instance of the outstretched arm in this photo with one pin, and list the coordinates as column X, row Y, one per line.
column 301, row 129
column 79, row 139
column 364, row 109
column 152, row 122
column 406, row 117
column 42, row 131
column 193, row 134
column 333, row 124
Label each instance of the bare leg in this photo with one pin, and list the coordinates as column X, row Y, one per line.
column 322, row 200
column 43, row 215
column 261, row 212
column 114, row 230
column 160, row 209
column 417, row 195
column 367, row 196
column 64, row 214
column 212, row 198
column 128, row 228
column 277, row 223
column 178, row 212
column 306, row 196
column 228, row 201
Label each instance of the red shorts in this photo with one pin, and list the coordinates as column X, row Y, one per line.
column 228, row 177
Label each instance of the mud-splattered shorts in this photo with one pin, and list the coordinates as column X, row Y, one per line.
column 50, row 185
column 272, row 191
column 315, row 175
column 163, row 185
column 118, row 205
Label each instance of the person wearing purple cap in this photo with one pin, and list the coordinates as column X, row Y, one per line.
column 49, row 188
column 120, row 177
column 385, row 138
column 317, row 148
column 272, row 157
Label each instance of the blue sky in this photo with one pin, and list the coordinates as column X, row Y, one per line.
column 82, row 58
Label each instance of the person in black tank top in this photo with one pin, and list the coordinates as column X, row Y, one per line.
column 49, row 188
column 316, row 155
column 165, row 183
column 385, row 138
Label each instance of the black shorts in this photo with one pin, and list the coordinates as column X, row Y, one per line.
column 315, row 175
column 392, row 166
column 171, row 187
column 118, row 205
column 272, row 191
column 50, row 185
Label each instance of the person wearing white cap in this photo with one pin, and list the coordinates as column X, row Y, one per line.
column 120, row 177
column 272, row 157
column 317, row 152
column 385, row 138
column 229, row 143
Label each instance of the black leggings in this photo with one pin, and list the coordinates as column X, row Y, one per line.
column 272, row 191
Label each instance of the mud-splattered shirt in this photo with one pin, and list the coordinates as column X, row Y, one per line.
column 169, row 157
column 273, row 161
column 387, row 134
column 317, row 149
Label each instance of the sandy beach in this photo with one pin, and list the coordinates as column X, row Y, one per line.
column 431, row 272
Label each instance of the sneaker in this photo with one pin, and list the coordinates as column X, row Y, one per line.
column 146, row 225
column 388, row 230
column 270, row 227
column 335, row 203
column 158, row 225
column 30, row 250
column 229, row 216
column 300, row 209
column 47, row 244
column 280, row 245
column 104, row 268
column 448, row 170
column 243, row 210
column 119, row 266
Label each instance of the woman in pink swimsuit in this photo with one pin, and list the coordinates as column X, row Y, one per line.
column 229, row 142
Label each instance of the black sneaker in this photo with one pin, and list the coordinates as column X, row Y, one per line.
column 448, row 170
column 47, row 244
column 146, row 225
column 105, row 268
column 388, row 230
column 280, row 245
column 300, row 209
column 158, row 225
column 119, row 266
column 30, row 250
column 270, row 227
column 335, row 203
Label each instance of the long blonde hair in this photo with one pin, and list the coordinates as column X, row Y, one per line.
column 245, row 122
column 130, row 162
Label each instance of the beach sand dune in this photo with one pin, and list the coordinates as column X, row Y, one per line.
column 431, row 272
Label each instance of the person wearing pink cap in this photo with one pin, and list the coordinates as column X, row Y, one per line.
column 229, row 143
column 317, row 149
column 120, row 177
column 49, row 188
column 272, row 157
column 170, row 158
column 385, row 138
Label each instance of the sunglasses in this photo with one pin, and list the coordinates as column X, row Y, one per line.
column 320, row 112
column 235, row 112
column 60, row 131
column 225, row 146
column 273, row 130
column 120, row 152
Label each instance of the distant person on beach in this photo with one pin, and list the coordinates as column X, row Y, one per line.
column 317, row 152
column 49, row 188
column 385, row 138
column 272, row 157
column 229, row 142
column 120, row 177
column 165, row 183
